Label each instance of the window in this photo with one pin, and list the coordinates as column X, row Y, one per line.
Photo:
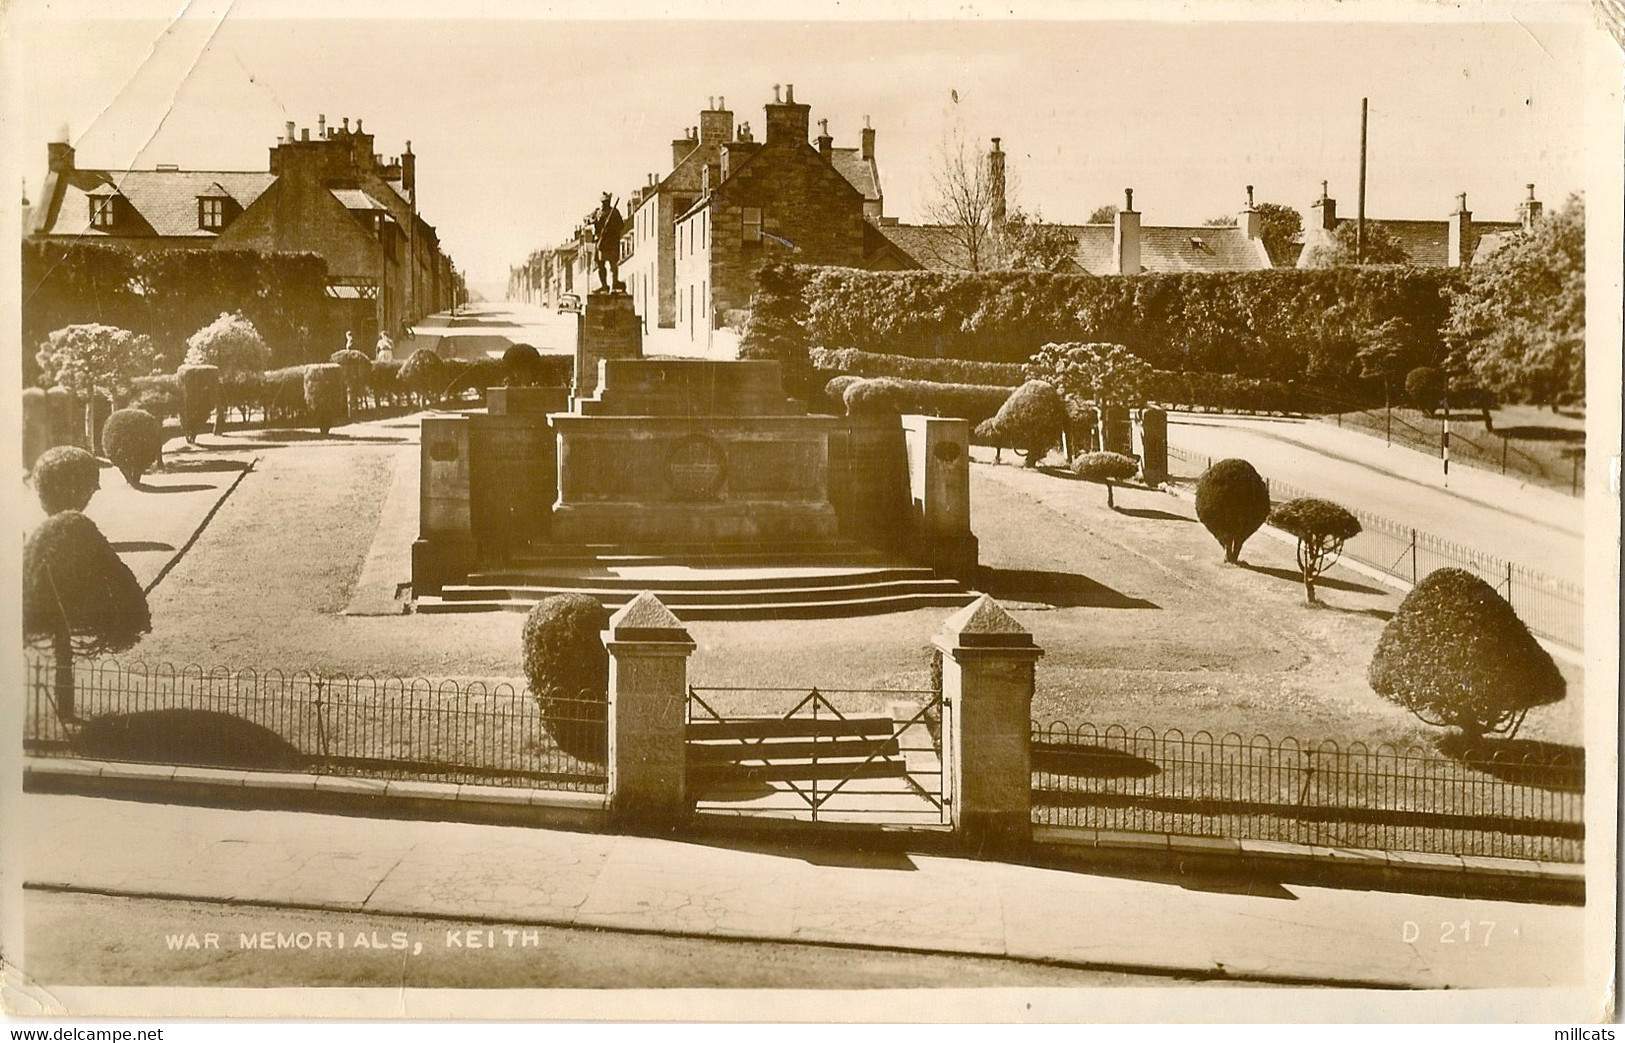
column 211, row 214
column 750, row 224
column 102, row 211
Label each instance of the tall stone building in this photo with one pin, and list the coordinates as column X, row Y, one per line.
column 330, row 195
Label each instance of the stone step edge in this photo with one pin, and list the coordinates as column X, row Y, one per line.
column 790, row 579
column 676, row 595
column 744, row 610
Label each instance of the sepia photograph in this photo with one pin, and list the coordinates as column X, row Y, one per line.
column 614, row 512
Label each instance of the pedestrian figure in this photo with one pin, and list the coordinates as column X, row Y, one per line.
column 385, row 351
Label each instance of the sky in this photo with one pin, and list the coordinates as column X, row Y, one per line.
column 519, row 121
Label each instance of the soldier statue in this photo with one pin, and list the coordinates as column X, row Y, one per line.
column 607, row 228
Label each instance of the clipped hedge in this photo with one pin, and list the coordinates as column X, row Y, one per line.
column 159, row 394
column 972, row 402
column 857, row 363
column 1286, row 325
column 282, row 393
column 324, row 395
column 568, row 669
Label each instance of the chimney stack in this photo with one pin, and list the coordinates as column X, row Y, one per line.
column 1126, row 236
column 59, row 156
column 868, row 151
column 826, row 144
column 715, row 123
column 1459, row 252
column 304, row 133
column 995, row 181
column 787, row 121
column 1530, row 211
column 288, row 136
column 1250, row 221
column 346, row 124
column 1328, row 210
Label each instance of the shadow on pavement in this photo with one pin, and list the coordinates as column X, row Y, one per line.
column 1056, row 589
column 130, row 546
column 293, row 435
column 191, row 487
column 843, row 850
column 1532, row 433
column 182, row 465
column 1257, row 886
column 1153, row 514
column 1322, row 581
column 1529, row 762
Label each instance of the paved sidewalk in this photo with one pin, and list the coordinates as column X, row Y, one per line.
column 503, row 875
column 1533, row 526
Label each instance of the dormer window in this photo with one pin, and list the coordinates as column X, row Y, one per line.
column 211, row 213
column 103, row 211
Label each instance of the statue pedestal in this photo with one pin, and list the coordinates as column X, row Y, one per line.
column 607, row 328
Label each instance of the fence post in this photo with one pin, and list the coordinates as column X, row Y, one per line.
column 988, row 667
column 648, row 698
column 1413, row 556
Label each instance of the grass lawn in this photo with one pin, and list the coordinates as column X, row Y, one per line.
column 1527, row 441
column 1141, row 622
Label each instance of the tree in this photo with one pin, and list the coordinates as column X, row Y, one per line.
column 1518, row 324
column 776, row 329
column 1280, row 227
column 1341, row 247
column 1103, row 214
column 1322, row 527
column 1105, row 468
column 1232, row 501
column 1030, row 421
column 1456, row 655
column 232, row 345
column 1424, row 386
column 92, row 358
column 1029, row 243
column 963, row 205
column 78, row 598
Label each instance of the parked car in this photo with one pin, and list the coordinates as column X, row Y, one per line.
column 569, row 302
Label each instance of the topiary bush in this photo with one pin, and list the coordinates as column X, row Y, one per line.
column 78, row 597
column 1232, row 502
column 324, row 395
column 134, row 440
column 158, row 394
column 835, row 390
column 885, row 395
column 1105, row 468
column 200, row 393
column 284, row 392
column 1456, row 655
column 1031, row 420
column 424, row 374
column 568, row 670
column 356, row 370
column 65, row 478
column 385, row 382
column 1322, row 527
column 521, row 366
column 1424, row 386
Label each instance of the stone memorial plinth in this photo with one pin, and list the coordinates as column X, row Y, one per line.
column 607, row 328
column 685, row 451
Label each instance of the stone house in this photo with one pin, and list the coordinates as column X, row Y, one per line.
column 330, row 195
column 1456, row 242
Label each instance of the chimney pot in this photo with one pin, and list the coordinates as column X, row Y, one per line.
column 1128, row 199
column 288, row 132
column 409, row 144
column 1323, row 191
column 995, row 144
column 866, row 121
column 1249, row 197
column 722, row 102
column 346, row 124
column 711, row 102
column 789, row 94
column 304, row 133
column 321, row 125
column 1531, row 187
column 358, row 125
column 776, row 99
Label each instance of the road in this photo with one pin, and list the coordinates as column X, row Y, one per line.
column 491, row 327
column 1531, row 526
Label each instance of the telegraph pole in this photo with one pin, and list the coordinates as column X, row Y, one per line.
column 1359, row 228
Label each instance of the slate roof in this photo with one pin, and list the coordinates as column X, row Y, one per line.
column 1427, row 243
column 356, row 199
column 860, row 172
column 164, row 202
column 929, row 246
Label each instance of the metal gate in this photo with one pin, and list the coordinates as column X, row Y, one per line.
column 856, row 756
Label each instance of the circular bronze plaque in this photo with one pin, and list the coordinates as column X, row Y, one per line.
column 695, row 467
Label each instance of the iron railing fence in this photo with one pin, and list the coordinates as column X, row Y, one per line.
column 1518, row 801
column 466, row 731
column 1552, row 608
column 831, row 754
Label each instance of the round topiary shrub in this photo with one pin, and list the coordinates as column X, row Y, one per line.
column 1232, row 501
column 1031, row 420
column 521, row 366
column 1322, row 527
column 568, row 670
column 424, row 374
column 65, row 478
column 324, row 395
column 1105, row 468
column 200, row 393
column 873, row 397
column 134, row 440
column 1456, row 655
column 1424, row 386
